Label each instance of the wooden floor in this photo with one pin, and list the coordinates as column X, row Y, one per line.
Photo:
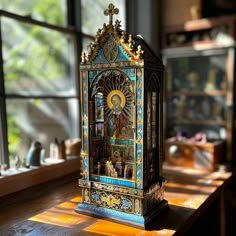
column 51, row 211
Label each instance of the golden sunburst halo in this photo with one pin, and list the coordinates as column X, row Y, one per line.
column 116, row 92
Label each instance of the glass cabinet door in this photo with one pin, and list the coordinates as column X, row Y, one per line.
column 198, row 94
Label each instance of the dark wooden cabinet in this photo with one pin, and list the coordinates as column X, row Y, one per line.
column 205, row 156
column 200, row 67
column 201, row 33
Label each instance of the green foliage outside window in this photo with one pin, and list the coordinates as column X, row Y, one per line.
column 50, row 11
column 32, row 53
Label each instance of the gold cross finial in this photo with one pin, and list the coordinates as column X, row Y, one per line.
column 111, row 10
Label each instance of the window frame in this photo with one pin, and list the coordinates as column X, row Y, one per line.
column 70, row 30
column 73, row 26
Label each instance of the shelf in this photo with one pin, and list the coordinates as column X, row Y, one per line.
column 201, row 24
column 217, row 43
column 203, row 44
column 23, row 178
column 199, row 57
column 209, row 23
column 200, row 122
column 191, row 143
column 201, row 34
column 200, row 93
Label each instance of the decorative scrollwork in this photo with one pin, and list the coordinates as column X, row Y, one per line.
column 109, row 38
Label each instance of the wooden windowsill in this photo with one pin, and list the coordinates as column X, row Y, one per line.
column 23, row 179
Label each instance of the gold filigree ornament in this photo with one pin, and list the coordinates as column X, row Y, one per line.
column 131, row 43
column 83, row 58
column 137, row 206
column 109, row 38
column 138, row 182
column 83, row 154
column 138, row 161
column 110, row 49
column 110, row 11
column 139, row 141
column 139, row 52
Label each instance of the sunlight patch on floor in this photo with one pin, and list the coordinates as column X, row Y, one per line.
column 110, row 228
column 62, row 215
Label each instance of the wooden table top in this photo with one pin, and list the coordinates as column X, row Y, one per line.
column 188, row 193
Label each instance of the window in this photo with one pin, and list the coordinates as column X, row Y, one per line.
column 50, row 11
column 39, row 95
column 39, row 84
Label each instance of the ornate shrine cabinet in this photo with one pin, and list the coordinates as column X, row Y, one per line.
column 122, row 137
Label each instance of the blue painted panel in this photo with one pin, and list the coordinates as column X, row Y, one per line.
column 122, row 56
column 119, row 141
column 139, row 93
column 130, row 72
column 100, row 57
column 114, row 181
column 92, row 75
column 112, row 214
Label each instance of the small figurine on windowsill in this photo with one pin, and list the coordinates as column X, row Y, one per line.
column 33, row 157
column 4, row 167
column 17, row 162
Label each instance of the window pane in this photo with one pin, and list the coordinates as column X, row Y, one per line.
column 37, row 61
column 93, row 17
column 50, row 11
column 40, row 120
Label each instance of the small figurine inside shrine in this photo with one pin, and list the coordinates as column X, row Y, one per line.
column 121, row 83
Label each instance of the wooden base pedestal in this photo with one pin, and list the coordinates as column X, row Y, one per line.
column 123, row 217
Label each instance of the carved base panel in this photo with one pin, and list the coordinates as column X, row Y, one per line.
column 125, row 208
column 122, row 217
